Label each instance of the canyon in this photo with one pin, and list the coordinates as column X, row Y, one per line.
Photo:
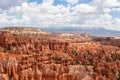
column 31, row 54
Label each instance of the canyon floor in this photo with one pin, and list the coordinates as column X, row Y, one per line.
column 32, row 54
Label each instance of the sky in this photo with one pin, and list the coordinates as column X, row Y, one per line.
column 60, row 13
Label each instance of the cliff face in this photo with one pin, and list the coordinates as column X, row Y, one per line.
column 30, row 58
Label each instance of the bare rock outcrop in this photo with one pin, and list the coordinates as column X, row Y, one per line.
column 30, row 58
column 4, row 76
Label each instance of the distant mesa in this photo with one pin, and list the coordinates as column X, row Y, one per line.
column 92, row 31
column 23, row 30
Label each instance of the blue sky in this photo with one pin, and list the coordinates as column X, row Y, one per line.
column 63, row 2
column 57, row 13
column 56, row 2
column 38, row 1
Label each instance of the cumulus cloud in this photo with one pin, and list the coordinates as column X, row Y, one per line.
column 5, row 4
column 111, row 3
column 72, row 1
column 43, row 15
column 48, row 2
column 104, row 20
column 84, row 8
column 106, row 3
column 107, row 10
column 46, row 14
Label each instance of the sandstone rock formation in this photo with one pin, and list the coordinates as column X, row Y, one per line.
column 33, row 58
column 23, row 30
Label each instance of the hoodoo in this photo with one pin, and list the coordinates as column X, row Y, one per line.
column 28, row 54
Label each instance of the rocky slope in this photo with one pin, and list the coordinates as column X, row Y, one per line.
column 46, row 58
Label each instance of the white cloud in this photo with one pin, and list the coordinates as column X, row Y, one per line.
column 107, row 10
column 5, row 4
column 50, row 15
column 48, row 2
column 106, row 17
column 106, row 3
column 111, row 3
column 104, row 20
column 106, row 6
column 43, row 15
column 47, row 14
column 72, row 1
column 116, row 9
column 84, row 8
column 3, row 18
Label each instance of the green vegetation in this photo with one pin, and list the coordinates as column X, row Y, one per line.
column 77, row 62
column 57, row 60
column 75, row 53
